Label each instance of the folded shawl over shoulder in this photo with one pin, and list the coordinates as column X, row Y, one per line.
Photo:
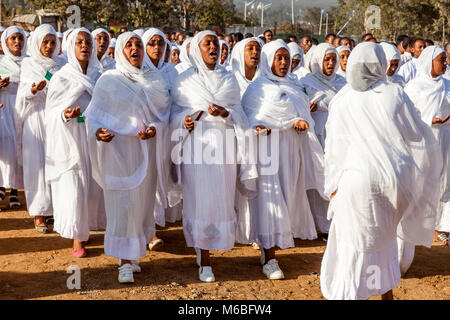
column 374, row 130
column 199, row 87
column 126, row 101
column 277, row 103
column 65, row 88
column 9, row 63
column 33, row 70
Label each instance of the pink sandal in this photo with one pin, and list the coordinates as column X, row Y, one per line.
column 80, row 253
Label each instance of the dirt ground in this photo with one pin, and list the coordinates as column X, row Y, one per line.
column 34, row 266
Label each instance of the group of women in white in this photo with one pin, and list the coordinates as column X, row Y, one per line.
column 358, row 156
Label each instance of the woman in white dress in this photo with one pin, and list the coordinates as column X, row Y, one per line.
column 225, row 54
column 297, row 57
column 102, row 39
column 127, row 109
column 430, row 93
column 277, row 105
column 343, row 54
column 14, row 47
column 184, row 56
column 393, row 59
column 77, row 199
column 209, row 94
column 36, row 71
column 382, row 166
column 321, row 85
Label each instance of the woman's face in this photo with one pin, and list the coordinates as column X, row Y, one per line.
column 343, row 58
column 111, row 52
column 393, row 67
column 224, row 54
column 15, row 43
column 209, row 47
column 295, row 63
column 155, row 49
column 175, row 56
column 134, row 52
column 281, row 62
column 439, row 65
column 83, row 47
column 252, row 54
column 102, row 40
column 167, row 57
column 48, row 45
column 329, row 64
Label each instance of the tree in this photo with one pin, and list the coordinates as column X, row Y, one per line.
column 211, row 13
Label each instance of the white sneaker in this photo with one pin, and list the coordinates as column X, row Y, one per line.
column 134, row 265
column 126, row 273
column 206, row 275
column 272, row 270
column 199, row 256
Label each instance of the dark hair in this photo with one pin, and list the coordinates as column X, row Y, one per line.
column 263, row 39
column 349, row 40
column 430, row 42
column 446, row 45
column 328, row 36
column 315, row 41
column 248, row 35
column 268, row 30
column 372, row 38
column 220, row 35
column 239, row 36
column 365, row 35
column 190, row 34
column 413, row 41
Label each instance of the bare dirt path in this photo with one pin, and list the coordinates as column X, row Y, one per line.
column 34, row 266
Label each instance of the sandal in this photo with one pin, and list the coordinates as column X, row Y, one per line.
column 156, row 244
column 14, row 202
column 442, row 237
column 40, row 229
column 80, row 253
column 49, row 220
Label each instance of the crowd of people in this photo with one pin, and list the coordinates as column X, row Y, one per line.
column 111, row 133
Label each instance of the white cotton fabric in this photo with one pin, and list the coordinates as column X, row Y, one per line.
column 391, row 52
column 184, row 58
column 112, row 44
column 77, row 199
column 384, row 163
column 10, row 168
column 281, row 211
column 64, row 43
column 209, row 220
column 130, row 170
column 405, row 57
column 30, row 122
column 297, row 53
column 431, row 96
column 238, row 64
column 106, row 63
column 408, row 71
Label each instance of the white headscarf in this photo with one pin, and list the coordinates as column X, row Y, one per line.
column 227, row 60
column 366, row 66
column 173, row 47
column 184, row 58
column 426, row 92
column 97, row 31
column 296, row 53
column 64, row 41
column 35, row 47
column 148, row 35
column 139, row 32
column 112, row 43
column 127, row 100
column 267, row 55
column 392, row 53
column 238, row 63
column 10, row 64
column 339, row 50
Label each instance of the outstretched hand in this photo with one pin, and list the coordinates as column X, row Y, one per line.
column 262, row 130
column 70, row 113
column 40, row 86
column 149, row 133
column 440, row 121
column 313, row 107
column 104, row 135
column 4, row 82
column 301, row 125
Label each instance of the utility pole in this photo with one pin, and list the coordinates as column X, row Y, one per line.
column 320, row 26
column 292, row 11
column 326, row 32
column 1, row 12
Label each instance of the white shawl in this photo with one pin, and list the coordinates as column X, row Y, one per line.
column 125, row 101
column 198, row 87
column 392, row 53
column 106, row 63
column 373, row 129
column 9, row 63
column 65, row 88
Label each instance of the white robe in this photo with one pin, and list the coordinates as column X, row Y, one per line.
column 408, row 71
column 30, row 124
column 209, row 187
column 384, row 163
column 77, row 199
